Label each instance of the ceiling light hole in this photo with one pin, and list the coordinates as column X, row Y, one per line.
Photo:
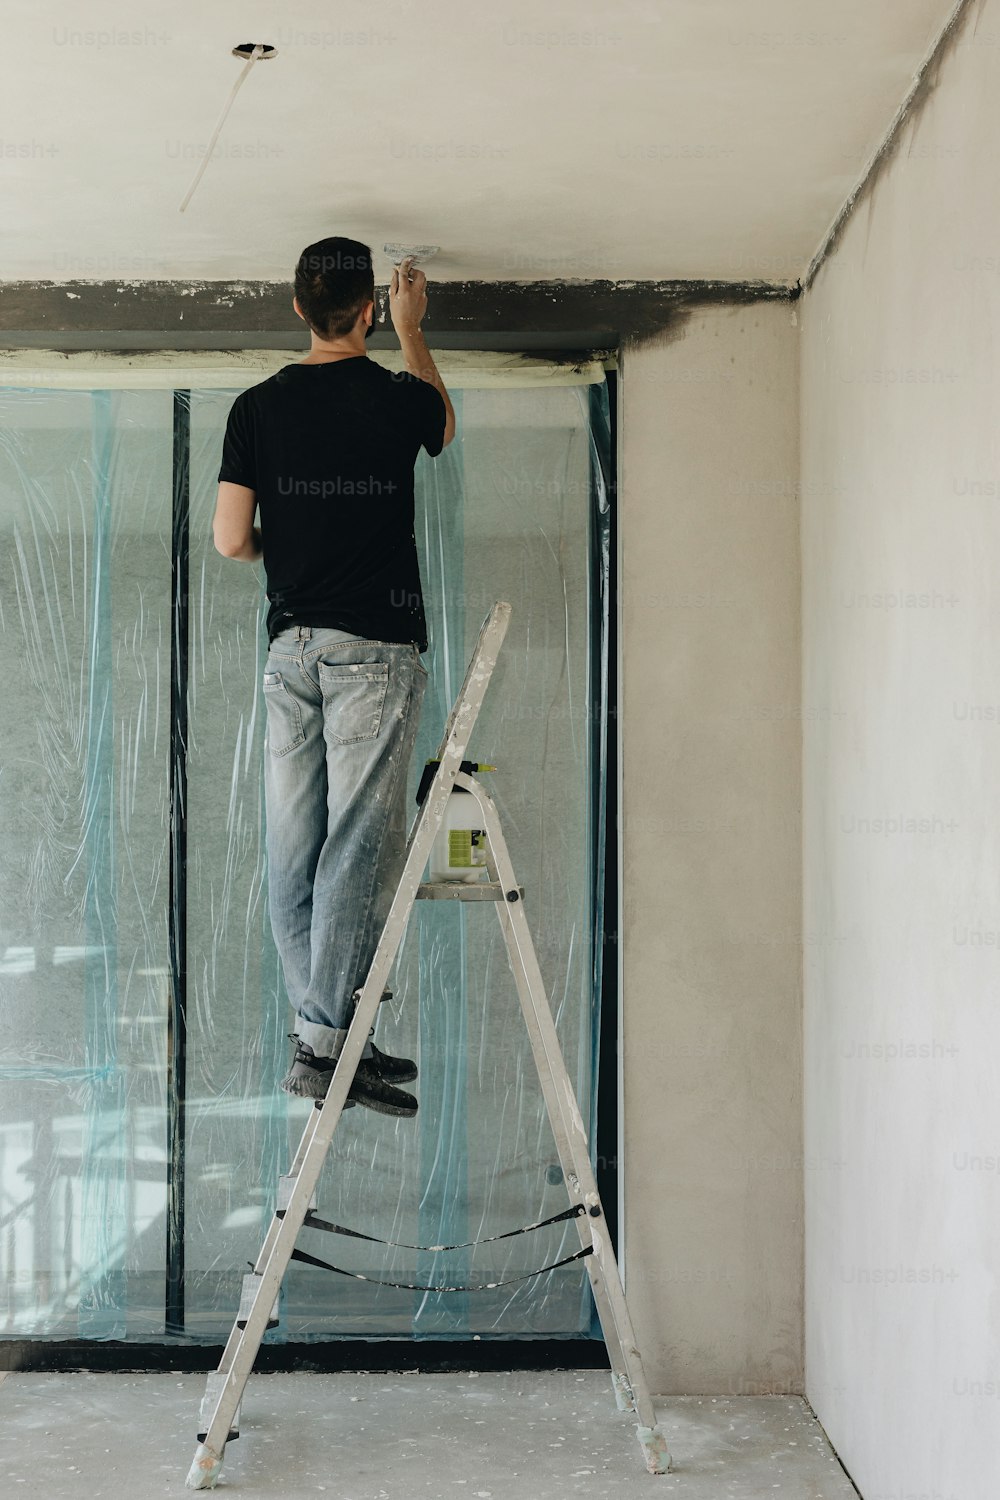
column 245, row 50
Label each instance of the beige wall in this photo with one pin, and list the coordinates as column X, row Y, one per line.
column 901, row 626
column 711, row 962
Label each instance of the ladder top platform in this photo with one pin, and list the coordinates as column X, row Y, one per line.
column 466, row 890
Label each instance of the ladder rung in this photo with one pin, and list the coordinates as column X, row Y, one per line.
column 250, row 1284
column 286, row 1186
column 464, row 890
column 213, row 1390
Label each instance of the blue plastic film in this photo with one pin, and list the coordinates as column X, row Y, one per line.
column 142, row 1130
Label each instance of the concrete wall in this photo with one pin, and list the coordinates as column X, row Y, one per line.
column 901, row 712
column 711, row 962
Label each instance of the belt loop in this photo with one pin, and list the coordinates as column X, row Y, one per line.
column 304, row 632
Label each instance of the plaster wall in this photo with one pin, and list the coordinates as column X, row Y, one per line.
column 901, row 660
column 710, row 952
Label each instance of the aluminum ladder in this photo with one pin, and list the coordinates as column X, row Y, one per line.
column 220, row 1406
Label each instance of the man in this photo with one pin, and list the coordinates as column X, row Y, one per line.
column 323, row 452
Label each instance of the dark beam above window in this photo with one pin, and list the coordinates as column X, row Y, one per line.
column 547, row 316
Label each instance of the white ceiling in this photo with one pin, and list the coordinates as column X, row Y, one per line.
column 637, row 139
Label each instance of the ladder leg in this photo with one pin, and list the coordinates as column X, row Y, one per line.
column 629, row 1378
column 272, row 1263
column 241, row 1351
column 236, row 1335
column 628, row 1374
column 562, row 1126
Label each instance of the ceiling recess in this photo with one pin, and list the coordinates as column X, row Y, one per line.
column 247, row 50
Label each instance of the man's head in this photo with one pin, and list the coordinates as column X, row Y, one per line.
column 334, row 282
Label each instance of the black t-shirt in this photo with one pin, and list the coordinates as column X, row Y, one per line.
column 329, row 450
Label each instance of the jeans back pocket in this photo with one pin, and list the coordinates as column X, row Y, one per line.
column 353, row 700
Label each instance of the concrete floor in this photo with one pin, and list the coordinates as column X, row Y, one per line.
column 510, row 1436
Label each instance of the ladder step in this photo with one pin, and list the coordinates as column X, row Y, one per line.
column 465, row 890
column 286, row 1186
column 213, row 1390
column 250, row 1284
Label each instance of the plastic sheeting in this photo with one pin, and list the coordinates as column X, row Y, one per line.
column 121, row 1110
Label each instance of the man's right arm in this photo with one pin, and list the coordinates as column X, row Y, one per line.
column 235, row 534
column 407, row 306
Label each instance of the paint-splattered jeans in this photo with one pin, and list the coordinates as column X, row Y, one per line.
column 342, row 717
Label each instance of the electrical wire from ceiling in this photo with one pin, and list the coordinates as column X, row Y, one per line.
column 260, row 50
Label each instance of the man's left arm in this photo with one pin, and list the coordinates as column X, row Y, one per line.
column 235, row 534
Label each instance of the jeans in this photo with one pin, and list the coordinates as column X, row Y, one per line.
column 342, row 717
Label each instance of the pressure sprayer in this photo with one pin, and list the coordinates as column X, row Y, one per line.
column 459, row 851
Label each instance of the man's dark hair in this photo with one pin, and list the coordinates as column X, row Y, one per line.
column 333, row 281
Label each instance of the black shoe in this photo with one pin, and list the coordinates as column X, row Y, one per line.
column 309, row 1078
column 393, row 1069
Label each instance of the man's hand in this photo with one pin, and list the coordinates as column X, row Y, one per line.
column 233, row 529
column 407, row 297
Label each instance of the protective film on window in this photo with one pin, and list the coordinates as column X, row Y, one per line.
column 142, row 1130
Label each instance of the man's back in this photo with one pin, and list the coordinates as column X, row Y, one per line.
column 329, row 450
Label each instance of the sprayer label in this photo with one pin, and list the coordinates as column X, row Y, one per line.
column 460, row 848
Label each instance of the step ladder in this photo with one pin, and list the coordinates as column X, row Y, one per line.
column 297, row 1191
